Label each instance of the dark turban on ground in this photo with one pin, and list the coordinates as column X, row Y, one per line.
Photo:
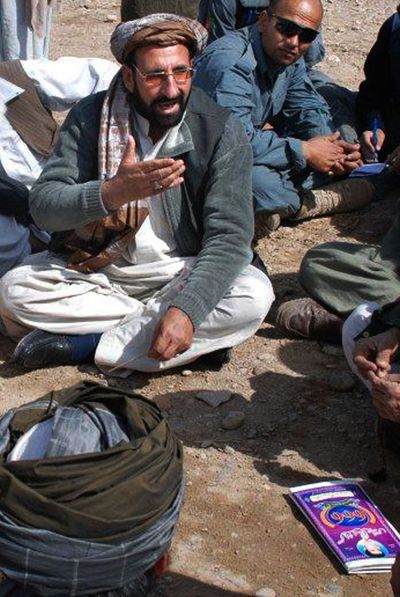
column 91, row 484
column 161, row 29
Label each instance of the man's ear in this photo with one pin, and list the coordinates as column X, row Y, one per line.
column 263, row 20
column 128, row 78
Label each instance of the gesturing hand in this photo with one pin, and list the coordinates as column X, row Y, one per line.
column 173, row 335
column 375, row 354
column 323, row 152
column 135, row 180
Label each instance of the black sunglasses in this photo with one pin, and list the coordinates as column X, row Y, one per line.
column 290, row 29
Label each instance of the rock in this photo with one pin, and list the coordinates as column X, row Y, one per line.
column 259, row 370
column 252, row 433
column 341, row 381
column 186, row 372
column 214, row 399
column 333, row 589
column 110, row 19
column 229, row 450
column 265, row 592
column 233, row 420
column 333, row 59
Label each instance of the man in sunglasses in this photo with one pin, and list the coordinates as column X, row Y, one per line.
column 149, row 190
column 258, row 73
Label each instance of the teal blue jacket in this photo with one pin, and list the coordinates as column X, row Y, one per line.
column 235, row 73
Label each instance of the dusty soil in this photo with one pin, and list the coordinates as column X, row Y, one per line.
column 238, row 531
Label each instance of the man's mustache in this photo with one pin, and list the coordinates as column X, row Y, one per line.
column 163, row 99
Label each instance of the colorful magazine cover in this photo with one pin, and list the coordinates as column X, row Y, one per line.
column 350, row 523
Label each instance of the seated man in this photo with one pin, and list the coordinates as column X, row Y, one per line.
column 151, row 190
column 92, row 487
column 339, row 276
column 223, row 16
column 378, row 99
column 28, row 132
column 257, row 72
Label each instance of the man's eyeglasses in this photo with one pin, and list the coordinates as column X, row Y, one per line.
column 290, row 29
column 181, row 74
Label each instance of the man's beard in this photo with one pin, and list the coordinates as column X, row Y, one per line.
column 157, row 120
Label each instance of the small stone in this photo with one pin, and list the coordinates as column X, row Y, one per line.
column 259, row 370
column 110, row 19
column 186, row 372
column 214, row 399
column 233, row 420
column 333, row 589
column 164, row 403
column 265, row 592
column 341, row 381
column 229, row 450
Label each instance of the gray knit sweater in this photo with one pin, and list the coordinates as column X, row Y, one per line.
column 211, row 214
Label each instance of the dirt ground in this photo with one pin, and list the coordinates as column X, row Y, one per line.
column 238, row 532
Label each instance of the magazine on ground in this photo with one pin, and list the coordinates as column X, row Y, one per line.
column 350, row 523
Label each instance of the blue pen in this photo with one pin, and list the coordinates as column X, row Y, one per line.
column 376, row 125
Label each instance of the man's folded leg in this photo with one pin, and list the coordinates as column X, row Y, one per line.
column 236, row 318
column 66, row 310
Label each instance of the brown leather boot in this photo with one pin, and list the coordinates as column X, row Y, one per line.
column 346, row 195
column 305, row 318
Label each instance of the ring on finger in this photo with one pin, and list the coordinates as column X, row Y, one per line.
column 157, row 186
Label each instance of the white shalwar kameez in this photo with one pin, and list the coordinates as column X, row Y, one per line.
column 126, row 301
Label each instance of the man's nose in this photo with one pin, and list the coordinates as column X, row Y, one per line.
column 293, row 40
column 169, row 86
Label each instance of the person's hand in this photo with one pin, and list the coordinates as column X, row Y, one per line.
column 322, row 153
column 136, row 180
column 395, row 580
column 173, row 335
column 350, row 160
column 368, row 149
column 393, row 160
column 374, row 354
column 385, row 392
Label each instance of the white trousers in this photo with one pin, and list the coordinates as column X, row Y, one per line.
column 356, row 323
column 42, row 293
